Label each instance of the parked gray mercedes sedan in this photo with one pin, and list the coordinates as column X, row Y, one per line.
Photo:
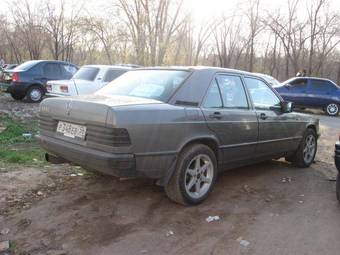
column 179, row 126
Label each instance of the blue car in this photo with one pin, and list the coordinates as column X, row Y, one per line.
column 312, row 92
column 28, row 80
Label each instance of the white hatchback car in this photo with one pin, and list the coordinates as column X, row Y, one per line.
column 86, row 80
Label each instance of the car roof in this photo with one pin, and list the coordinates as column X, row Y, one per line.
column 51, row 61
column 111, row 66
column 198, row 68
column 309, row 78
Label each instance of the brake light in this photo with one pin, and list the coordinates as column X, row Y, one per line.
column 15, row 77
column 64, row 89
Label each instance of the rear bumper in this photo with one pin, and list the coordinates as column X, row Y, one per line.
column 18, row 88
column 120, row 165
column 50, row 94
column 337, row 155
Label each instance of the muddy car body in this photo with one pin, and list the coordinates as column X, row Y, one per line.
column 337, row 164
column 179, row 126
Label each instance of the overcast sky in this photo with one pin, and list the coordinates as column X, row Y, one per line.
column 199, row 8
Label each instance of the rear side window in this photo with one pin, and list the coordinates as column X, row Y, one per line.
column 112, row 74
column 321, row 86
column 86, row 73
column 232, row 92
column 213, row 98
column 51, row 70
column 69, row 69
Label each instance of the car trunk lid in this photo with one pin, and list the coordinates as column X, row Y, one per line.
column 61, row 88
column 88, row 109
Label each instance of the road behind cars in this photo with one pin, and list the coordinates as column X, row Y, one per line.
column 277, row 208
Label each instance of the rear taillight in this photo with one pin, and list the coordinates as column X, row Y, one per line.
column 15, row 77
column 49, row 87
column 64, row 89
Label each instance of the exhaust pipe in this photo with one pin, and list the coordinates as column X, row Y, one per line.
column 55, row 159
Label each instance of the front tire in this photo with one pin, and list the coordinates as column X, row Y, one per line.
column 305, row 154
column 332, row 109
column 194, row 176
column 34, row 94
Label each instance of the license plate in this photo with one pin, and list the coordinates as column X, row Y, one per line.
column 71, row 130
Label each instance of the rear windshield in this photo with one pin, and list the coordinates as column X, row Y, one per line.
column 86, row 73
column 27, row 65
column 112, row 74
column 153, row 84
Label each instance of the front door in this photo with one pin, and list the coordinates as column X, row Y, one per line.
column 278, row 132
column 228, row 114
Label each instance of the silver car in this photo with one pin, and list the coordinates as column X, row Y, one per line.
column 180, row 126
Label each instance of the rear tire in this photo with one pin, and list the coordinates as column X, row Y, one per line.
column 332, row 109
column 194, row 176
column 34, row 94
column 305, row 154
column 17, row 97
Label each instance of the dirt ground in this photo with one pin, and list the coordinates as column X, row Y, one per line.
column 275, row 207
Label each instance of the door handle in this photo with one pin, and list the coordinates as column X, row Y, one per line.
column 216, row 115
column 263, row 116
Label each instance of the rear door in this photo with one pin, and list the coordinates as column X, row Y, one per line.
column 278, row 132
column 228, row 113
column 320, row 92
column 51, row 71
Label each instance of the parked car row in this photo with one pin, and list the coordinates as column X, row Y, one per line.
column 33, row 79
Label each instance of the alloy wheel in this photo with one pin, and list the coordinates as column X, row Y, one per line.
column 309, row 149
column 199, row 176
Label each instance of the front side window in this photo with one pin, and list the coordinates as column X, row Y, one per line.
column 299, row 83
column 86, row 73
column 263, row 97
column 232, row 91
column 153, row 84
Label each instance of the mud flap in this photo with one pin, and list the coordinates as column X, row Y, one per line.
column 167, row 176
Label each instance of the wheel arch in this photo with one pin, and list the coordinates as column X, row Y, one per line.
column 210, row 141
column 35, row 85
column 315, row 127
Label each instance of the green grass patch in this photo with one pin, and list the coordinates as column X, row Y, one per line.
column 14, row 147
column 26, row 156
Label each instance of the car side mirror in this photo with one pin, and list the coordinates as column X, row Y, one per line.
column 288, row 86
column 287, row 107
